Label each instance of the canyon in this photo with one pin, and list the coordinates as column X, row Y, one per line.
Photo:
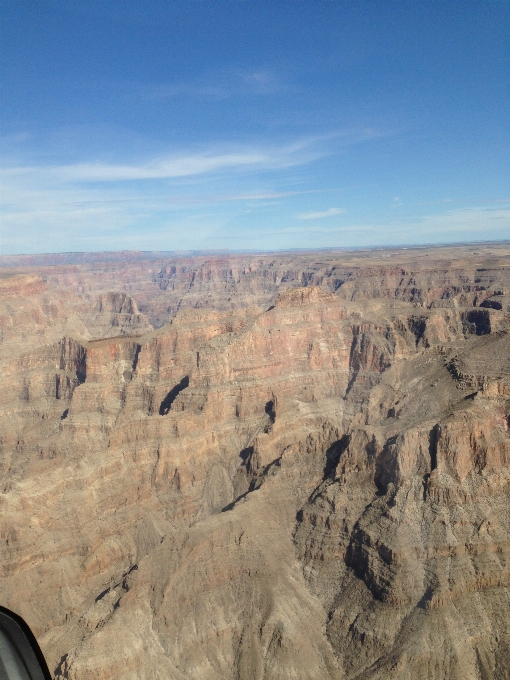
column 259, row 466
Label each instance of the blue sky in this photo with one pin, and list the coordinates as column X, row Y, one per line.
column 252, row 125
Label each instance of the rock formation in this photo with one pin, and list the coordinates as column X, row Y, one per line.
column 260, row 467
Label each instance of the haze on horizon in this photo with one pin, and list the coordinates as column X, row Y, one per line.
column 253, row 125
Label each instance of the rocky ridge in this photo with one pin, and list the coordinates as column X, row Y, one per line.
column 260, row 467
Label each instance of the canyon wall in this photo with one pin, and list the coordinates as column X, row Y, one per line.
column 259, row 466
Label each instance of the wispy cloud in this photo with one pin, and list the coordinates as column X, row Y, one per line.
column 266, row 195
column 222, row 85
column 168, row 91
column 262, row 81
column 62, row 206
column 320, row 214
column 297, row 153
column 466, row 224
column 476, row 223
column 223, row 194
column 443, row 200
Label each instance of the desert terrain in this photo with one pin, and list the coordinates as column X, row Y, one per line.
column 259, row 466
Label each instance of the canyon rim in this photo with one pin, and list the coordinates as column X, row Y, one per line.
column 259, row 466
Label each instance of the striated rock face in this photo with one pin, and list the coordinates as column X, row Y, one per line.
column 116, row 314
column 292, row 466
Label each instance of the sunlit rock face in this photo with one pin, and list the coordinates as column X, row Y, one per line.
column 259, row 467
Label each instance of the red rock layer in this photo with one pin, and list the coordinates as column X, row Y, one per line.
column 316, row 488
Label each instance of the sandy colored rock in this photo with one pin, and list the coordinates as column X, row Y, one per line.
column 259, row 467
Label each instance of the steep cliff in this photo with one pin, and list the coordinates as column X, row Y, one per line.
column 303, row 471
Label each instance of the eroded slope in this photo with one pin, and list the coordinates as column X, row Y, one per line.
column 288, row 481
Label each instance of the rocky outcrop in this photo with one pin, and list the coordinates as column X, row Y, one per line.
column 285, row 480
column 116, row 314
column 21, row 285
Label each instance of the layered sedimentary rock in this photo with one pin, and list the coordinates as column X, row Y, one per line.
column 116, row 314
column 260, row 466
